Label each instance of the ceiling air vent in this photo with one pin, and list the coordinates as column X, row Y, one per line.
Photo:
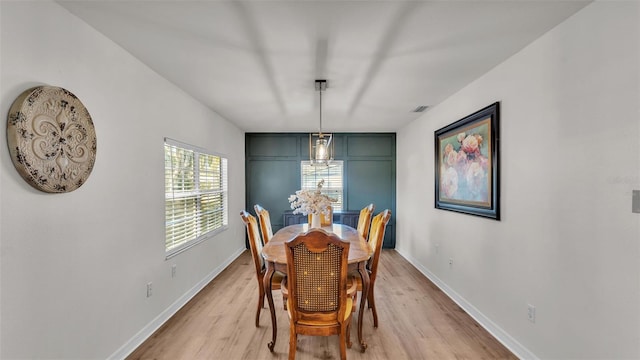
column 420, row 108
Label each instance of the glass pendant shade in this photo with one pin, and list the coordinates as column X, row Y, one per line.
column 321, row 150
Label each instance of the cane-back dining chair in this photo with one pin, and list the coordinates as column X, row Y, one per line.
column 364, row 221
column 255, row 245
column 376, row 237
column 265, row 223
column 325, row 219
column 317, row 282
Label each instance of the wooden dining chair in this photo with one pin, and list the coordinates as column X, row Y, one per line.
column 376, row 237
column 317, row 282
column 265, row 223
column 255, row 246
column 364, row 220
column 325, row 219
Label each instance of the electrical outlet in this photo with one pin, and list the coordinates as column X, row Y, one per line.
column 451, row 261
column 173, row 270
column 437, row 248
column 531, row 313
column 149, row 289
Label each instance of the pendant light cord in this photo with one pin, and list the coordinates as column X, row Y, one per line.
column 321, row 110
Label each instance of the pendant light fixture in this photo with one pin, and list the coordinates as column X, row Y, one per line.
column 320, row 145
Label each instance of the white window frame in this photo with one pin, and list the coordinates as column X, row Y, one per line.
column 333, row 186
column 185, row 231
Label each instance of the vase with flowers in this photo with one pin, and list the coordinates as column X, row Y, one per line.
column 311, row 202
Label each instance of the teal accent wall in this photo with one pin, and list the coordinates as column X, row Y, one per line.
column 273, row 172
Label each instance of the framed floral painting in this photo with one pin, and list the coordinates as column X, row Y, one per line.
column 467, row 164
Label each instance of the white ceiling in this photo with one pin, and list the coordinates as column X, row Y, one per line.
column 255, row 62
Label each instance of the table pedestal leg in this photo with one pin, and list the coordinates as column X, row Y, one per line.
column 268, row 290
column 364, row 276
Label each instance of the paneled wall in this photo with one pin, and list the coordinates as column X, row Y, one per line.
column 273, row 172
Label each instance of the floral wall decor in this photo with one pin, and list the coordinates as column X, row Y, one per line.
column 51, row 139
column 467, row 164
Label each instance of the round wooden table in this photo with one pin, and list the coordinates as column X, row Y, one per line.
column 275, row 258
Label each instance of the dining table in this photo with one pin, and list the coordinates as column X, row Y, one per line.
column 275, row 258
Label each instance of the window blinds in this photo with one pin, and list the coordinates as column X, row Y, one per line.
column 332, row 175
column 195, row 195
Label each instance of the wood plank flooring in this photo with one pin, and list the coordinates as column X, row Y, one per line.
column 416, row 321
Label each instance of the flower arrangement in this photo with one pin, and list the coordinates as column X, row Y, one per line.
column 307, row 202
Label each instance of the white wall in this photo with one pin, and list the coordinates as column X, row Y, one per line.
column 74, row 266
column 568, row 242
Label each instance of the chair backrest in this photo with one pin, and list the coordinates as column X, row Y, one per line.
column 317, row 265
column 325, row 219
column 255, row 244
column 265, row 223
column 364, row 221
column 376, row 237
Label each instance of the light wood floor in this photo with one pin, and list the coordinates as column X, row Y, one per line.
column 416, row 321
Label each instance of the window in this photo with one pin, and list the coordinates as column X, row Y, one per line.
column 332, row 175
column 195, row 195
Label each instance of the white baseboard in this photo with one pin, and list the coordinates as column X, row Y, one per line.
column 502, row 336
column 155, row 324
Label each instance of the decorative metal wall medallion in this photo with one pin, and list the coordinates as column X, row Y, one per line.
column 51, row 139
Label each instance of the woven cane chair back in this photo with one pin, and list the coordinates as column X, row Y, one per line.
column 318, row 278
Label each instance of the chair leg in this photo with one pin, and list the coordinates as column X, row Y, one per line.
column 354, row 308
column 372, row 306
column 293, row 342
column 343, row 341
column 285, row 292
column 349, row 343
column 258, row 315
column 261, row 295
